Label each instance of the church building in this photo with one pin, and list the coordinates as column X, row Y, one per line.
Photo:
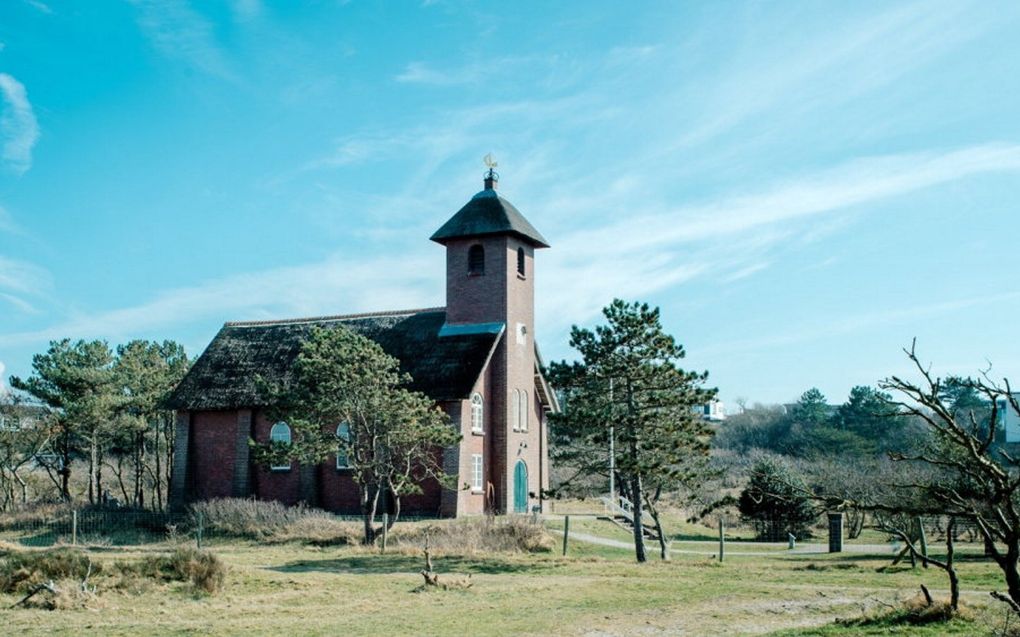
column 476, row 358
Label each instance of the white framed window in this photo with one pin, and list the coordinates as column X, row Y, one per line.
column 524, row 410
column 280, row 432
column 343, row 432
column 476, row 472
column 477, row 414
column 515, row 410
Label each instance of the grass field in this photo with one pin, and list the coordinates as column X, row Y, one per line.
column 596, row 590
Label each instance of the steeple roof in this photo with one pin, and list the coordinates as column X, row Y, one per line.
column 487, row 214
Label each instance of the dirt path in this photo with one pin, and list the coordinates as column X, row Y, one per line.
column 802, row 549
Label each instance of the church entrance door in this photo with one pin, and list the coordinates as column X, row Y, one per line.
column 520, row 487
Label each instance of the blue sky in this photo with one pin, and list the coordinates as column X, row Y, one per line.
column 803, row 187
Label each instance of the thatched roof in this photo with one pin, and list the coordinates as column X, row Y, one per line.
column 487, row 214
column 443, row 367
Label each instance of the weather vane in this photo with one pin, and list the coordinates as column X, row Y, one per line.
column 491, row 164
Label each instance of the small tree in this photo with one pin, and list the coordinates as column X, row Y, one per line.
column 78, row 381
column 629, row 387
column 775, row 500
column 395, row 436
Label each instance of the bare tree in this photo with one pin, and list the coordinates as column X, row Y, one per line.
column 971, row 478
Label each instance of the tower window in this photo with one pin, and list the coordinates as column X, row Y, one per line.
column 476, row 259
column 520, row 261
column 477, row 421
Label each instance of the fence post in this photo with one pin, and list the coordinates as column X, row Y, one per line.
column 566, row 532
column 199, row 520
column 722, row 539
column 74, row 527
column 385, row 525
column 924, row 542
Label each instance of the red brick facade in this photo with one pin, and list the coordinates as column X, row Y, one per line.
column 214, row 443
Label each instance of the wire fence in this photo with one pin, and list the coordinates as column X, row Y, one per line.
column 118, row 526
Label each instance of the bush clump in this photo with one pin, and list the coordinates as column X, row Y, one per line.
column 269, row 521
column 914, row 612
column 21, row 571
column 504, row 534
column 202, row 569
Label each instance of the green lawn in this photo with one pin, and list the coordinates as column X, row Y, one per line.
column 595, row 590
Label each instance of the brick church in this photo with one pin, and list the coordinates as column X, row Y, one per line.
column 476, row 358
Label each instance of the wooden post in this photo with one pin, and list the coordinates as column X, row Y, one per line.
column 722, row 539
column 924, row 542
column 385, row 525
column 198, row 530
column 566, row 532
column 74, row 527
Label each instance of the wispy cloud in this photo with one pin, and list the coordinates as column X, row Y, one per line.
column 422, row 73
column 860, row 322
column 179, row 32
column 18, row 126
column 325, row 287
column 39, row 6
column 20, row 279
column 853, row 183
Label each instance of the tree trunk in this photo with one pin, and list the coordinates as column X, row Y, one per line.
column 93, row 467
column 370, row 501
column 954, row 580
column 636, row 511
column 654, row 512
column 140, row 470
column 1009, row 568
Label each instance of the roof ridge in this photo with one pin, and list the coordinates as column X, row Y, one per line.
column 335, row 317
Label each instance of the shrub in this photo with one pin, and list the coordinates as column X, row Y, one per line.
column 271, row 521
column 204, row 570
column 505, row 534
column 775, row 501
column 20, row 571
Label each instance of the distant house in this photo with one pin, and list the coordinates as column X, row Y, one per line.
column 476, row 357
column 1009, row 420
column 714, row 411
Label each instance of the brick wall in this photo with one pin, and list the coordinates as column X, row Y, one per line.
column 212, row 447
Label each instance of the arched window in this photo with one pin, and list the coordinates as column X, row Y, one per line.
column 476, row 259
column 280, row 432
column 477, row 421
column 520, row 261
column 343, row 432
column 515, row 417
column 524, row 410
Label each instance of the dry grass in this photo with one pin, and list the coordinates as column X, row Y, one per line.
column 33, row 515
column 268, row 521
column 469, row 536
column 202, row 569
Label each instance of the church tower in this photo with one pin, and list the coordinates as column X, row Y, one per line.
column 490, row 286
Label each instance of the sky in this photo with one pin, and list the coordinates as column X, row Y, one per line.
column 801, row 187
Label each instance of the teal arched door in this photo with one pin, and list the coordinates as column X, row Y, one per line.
column 520, row 487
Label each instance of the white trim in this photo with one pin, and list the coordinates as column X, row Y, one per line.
column 477, row 413
column 515, row 410
column 524, row 410
column 477, row 474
